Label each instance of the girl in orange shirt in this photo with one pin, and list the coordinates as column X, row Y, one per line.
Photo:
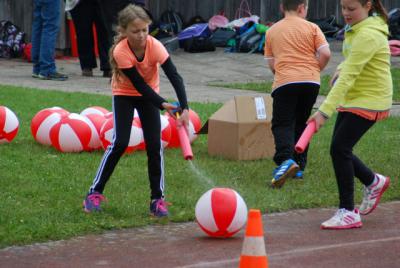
column 135, row 58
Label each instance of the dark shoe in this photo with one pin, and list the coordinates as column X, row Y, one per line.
column 87, row 72
column 158, row 208
column 107, row 73
column 54, row 76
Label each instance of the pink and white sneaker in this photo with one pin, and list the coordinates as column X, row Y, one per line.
column 373, row 193
column 343, row 219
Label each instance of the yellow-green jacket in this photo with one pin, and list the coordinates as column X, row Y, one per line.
column 365, row 80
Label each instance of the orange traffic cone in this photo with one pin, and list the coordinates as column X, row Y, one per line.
column 253, row 251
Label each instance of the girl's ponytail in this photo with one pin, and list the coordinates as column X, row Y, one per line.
column 118, row 38
column 378, row 7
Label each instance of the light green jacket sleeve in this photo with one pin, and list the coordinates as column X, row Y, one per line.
column 363, row 49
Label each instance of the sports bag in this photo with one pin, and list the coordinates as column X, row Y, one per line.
column 198, row 44
column 221, row 36
column 171, row 21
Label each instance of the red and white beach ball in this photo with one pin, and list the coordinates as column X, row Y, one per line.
column 97, row 120
column 194, row 127
column 43, row 121
column 71, row 134
column 95, row 110
column 9, row 125
column 221, row 212
column 165, row 131
column 136, row 139
column 95, row 142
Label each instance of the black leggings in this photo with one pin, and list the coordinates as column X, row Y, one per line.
column 292, row 106
column 349, row 129
column 123, row 108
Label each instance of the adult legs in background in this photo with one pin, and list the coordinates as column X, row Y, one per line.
column 45, row 27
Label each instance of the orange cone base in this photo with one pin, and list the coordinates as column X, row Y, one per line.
column 253, row 262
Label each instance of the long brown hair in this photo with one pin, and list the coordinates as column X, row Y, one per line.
column 377, row 7
column 127, row 15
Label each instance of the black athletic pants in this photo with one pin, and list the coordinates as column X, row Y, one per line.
column 85, row 14
column 292, row 105
column 123, row 108
column 349, row 129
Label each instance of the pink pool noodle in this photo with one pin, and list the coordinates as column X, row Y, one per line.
column 184, row 141
column 305, row 137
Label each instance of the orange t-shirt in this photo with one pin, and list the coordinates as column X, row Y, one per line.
column 293, row 43
column 155, row 55
column 367, row 114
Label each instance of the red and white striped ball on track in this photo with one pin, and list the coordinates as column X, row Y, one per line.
column 221, row 212
column 135, row 141
column 71, row 134
column 43, row 121
column 194, row 127
column 165, row 131
column 95, row 110
column 9, row 125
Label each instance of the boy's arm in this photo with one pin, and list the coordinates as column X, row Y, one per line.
column 271, row 64
column 323, row 56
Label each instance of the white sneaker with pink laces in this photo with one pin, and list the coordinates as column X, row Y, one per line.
column 373, row 193
column 343, row 219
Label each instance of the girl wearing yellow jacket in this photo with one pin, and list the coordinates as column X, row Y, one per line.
column 362, row 95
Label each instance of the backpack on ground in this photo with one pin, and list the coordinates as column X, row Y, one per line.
column 221, row 36
column 249, row 41
column 196, row 38
column 12, row 40
column 198, row 44
column 194, row 20
column 171, row 21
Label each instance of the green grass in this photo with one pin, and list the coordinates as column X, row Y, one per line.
column 41, row 190
column 265, row 86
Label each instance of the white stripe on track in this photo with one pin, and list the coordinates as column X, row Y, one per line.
column 293, row 252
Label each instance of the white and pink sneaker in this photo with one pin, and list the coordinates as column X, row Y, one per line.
column 343, row 219
column 373, row 193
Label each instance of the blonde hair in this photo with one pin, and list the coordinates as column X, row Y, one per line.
column 126, row 16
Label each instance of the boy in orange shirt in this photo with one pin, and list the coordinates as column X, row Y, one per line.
column 296, row 51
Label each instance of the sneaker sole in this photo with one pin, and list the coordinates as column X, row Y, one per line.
column 154, row 217
column 87, row 210
column 289, row 173
column 385, row 186
column 351, row 226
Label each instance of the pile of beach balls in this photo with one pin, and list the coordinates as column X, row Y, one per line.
column 93, row 129
column 9, row 125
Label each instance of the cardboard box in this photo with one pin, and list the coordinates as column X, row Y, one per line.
column 241, row 129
